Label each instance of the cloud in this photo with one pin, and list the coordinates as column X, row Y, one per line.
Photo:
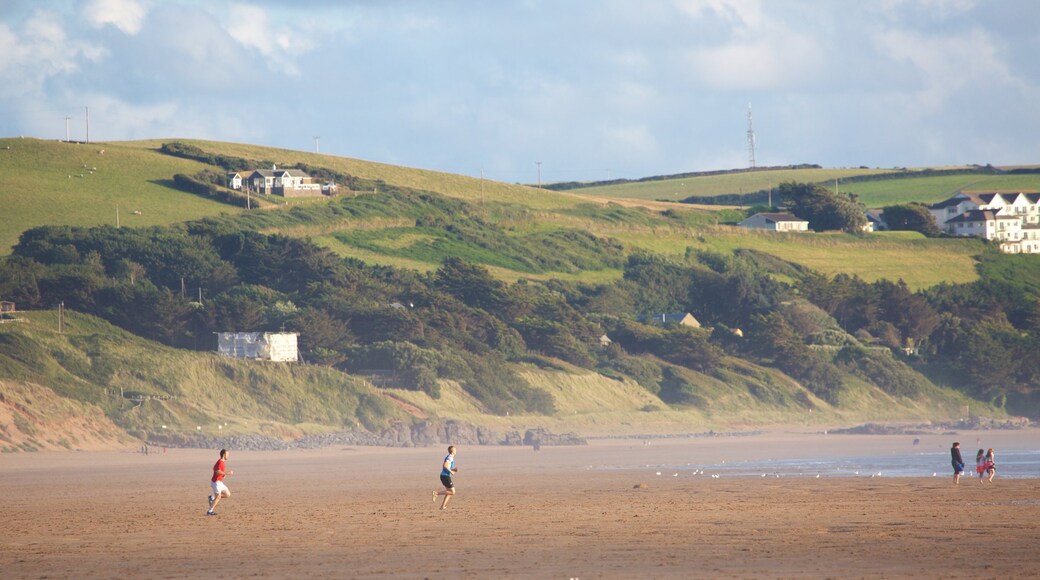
column 279, row 41
column 756, row 51
column 741, row 14
column 945, row 65
column 39, row 50
column 126, row 15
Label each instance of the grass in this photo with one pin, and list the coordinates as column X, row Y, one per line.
column 459, row 186
column 710, row 185
column 94, row 362
column 935, row 188
column 876, row 193
column 919, row 261
column 35, row 189
column 48, row 182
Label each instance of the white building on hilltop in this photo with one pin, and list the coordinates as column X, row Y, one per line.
column 1010, row 218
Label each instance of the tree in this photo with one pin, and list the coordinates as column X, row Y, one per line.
column 913, row 217
column 824, row 209
column 471, row 284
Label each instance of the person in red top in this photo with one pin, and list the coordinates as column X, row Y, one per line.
column 220, row 490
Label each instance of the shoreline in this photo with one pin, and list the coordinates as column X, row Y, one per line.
column 561, row 512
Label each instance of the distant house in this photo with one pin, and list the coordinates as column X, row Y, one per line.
column 6, row 307
column 876, row 220
column 605, row 341
column 670, row 318
column 777, row 222
column 234, row 181
column 273, row 346
column 284, row 182
column 1010, row 218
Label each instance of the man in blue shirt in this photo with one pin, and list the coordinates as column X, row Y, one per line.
column 447, row 470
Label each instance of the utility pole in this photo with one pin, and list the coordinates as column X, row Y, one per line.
column 317, row 140
column 67, row 119
column 539, row 164
column 117, row 217
column 87, row 116
column 61, row 318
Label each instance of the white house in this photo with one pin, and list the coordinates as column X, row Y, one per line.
column 875, row 221
column 284, row 182
column 1011, row 218
column 274, row 346
column 234, row 181
column 777, row 222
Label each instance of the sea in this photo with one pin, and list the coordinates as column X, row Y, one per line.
column 1015, row 464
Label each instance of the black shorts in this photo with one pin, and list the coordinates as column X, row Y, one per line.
column 447, row 482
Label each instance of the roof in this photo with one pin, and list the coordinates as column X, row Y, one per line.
column 780, row 217
column 278, row 172
column 981, row 215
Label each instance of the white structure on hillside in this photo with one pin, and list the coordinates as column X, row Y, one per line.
column 274, row 346
column 284, row 182
column 777, row 222
column 1009, row 218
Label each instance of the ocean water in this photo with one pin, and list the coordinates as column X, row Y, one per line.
column 1011, row 464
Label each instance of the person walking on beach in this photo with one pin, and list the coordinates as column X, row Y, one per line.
column 958, row 462
column 991, row 467
column 980, row 463
column 447, row 470
column 220, row 490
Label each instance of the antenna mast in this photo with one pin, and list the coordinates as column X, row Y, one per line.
column 750, row 139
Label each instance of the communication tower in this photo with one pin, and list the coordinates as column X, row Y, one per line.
column 750, row 139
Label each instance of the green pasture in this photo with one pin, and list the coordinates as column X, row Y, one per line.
column 710, row 185
column 50, row 182
column 873, row 193
column 934, row 189
column 919, row 261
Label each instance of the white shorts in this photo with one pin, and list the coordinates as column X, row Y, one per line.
column 217, row 487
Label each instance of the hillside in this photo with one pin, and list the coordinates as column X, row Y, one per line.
column 41, row 184
column 90, row 386
column 500, row 305
column 94, row 377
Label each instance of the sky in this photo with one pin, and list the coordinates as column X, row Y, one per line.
column 522, row 90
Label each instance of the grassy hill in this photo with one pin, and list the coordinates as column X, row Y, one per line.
column 49, row 182
column 70, row 390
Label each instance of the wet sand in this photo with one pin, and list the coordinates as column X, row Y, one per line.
column 559, row 513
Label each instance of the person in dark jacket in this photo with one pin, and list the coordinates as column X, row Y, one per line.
column 958, row 462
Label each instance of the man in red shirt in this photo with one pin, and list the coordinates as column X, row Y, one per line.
column 220, row 491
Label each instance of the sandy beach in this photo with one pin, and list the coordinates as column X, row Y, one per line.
column 574, row 512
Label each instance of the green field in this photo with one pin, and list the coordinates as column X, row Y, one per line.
column 48, row 182
column 934, row 189
column 709, row 185
column 918, row 261
column 875, row 193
